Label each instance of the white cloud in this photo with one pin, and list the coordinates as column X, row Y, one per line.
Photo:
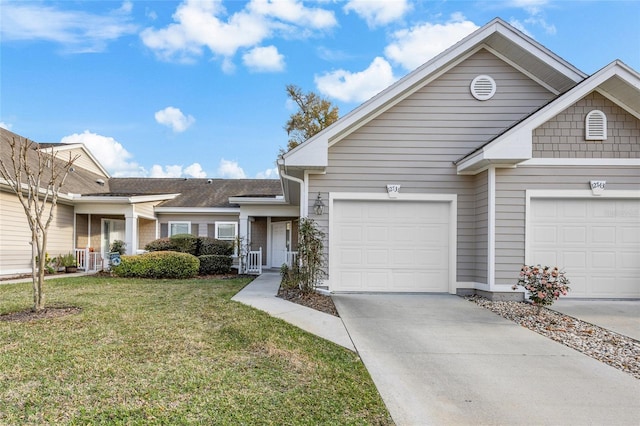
column 200, row 24
column 109, row 152
column 174, row 118
column 413, row 47
column 5, row 125
column 359, row 86
column 268, row 174
column 377, row 13
column 195, row 170
column 166, row 171
column 230, row 170
column 265, row 59
column 77, row 31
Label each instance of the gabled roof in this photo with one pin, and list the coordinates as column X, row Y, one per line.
column 506, row 42
column 617, row 82
column 78, row 181
column 59, row 148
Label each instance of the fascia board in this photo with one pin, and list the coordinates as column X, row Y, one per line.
column 258, row 201
column 312, row 153
column 192, row 210
column 121, row 200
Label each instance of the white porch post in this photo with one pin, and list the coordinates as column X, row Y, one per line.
column 131, row 233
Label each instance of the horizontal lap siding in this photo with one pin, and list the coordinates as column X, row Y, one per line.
column 564, row 135
column 511, row 185
column 15, row 250
column 415, row 143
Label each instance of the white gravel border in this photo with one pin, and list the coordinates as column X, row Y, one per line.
column 619, row 351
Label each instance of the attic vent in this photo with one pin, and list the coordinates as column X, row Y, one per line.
column 596, row 126
column 483, row 87
column 100, row 182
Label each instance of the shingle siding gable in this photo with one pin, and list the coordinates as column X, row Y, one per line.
column 564, row 135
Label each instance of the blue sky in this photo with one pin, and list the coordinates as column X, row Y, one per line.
column 197, row 88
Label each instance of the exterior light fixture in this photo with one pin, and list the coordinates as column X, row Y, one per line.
column 318, row 206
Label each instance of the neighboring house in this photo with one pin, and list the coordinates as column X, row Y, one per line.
column 95, row 209
column 493, row 154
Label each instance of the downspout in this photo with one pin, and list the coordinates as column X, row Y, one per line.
column 303, row 197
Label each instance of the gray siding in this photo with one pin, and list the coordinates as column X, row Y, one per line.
column 481, row 226
column 564, row 135
column 415, row 143
column 511, row 185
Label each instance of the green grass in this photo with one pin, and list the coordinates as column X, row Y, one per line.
column 171, row 352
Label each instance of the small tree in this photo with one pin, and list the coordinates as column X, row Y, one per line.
column 314, row 114
column 310, row 255
column 36, row 177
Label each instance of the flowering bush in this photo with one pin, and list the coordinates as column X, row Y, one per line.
column 545, row 285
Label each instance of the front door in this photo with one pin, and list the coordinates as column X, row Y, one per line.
column 280, row 243
column 112, row 229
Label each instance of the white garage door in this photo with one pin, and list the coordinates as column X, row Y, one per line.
column 597, row 243
column 389, row 246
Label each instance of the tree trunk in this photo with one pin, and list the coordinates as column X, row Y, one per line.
column 37, row 273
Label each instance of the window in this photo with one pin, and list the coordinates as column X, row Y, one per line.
column 226, row 230
column 596, row 126
column 176, row 228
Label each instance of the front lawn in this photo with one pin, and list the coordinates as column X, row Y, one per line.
column 171, row 352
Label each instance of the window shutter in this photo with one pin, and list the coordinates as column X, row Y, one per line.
column 596, row 126
column 164, row 230
column 194, row 229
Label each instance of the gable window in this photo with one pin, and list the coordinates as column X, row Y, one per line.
column 226, row 231
column 596, row 126
column 176, row 228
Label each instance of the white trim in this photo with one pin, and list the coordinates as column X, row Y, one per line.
column 176, row 222
column 491, row 227
column 77, row 198
column 565, row 193
column 581, row 162
column 217, row 224
column 452, row 199
column 278, row 200
column 197, row 210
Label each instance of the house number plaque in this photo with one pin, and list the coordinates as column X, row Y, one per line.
column 393, row 190
column 597, row 186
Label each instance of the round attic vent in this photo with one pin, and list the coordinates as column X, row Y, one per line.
column 483, row 87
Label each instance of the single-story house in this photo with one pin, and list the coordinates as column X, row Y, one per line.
column 494, row 154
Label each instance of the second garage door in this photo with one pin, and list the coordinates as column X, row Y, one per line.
column 596, row 241
column 390, row 246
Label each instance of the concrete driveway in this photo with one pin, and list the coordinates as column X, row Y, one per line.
column 441, row 360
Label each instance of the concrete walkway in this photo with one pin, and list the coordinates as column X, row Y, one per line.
column 261, row 294
column 621, row 316
column 441, row 360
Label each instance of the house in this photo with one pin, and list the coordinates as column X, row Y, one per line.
column 494, row 154
column 95, row 209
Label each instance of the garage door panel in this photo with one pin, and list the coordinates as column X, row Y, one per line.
column 594, row 241
column 402, row 246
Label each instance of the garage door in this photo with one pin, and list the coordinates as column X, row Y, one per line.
column 597, row 242
column 391, row 246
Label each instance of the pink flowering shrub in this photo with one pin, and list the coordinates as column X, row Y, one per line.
column 545, row 285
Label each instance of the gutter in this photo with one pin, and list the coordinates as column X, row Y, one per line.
column 303, row 195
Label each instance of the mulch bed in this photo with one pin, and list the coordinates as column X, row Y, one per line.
column 310, row 299
column 47, row 313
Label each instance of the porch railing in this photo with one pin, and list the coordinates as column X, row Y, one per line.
column 253, row 263
column 292, row 258
column 89, row 261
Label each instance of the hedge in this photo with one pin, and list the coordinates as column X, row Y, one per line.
column 187, row 243
column 215, row 264
column 207, row 245
column 159, row 264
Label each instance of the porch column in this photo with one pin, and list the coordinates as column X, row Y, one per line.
column 243, row 231
column 131, row 233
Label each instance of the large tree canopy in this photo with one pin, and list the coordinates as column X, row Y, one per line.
column 314, row 114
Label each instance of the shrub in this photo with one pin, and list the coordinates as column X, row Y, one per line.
column 161, row 244
column 545, row 285
column 215, row 264
column 207, row 246
column 159, row 264
column 185, row 243
column 118, row 246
